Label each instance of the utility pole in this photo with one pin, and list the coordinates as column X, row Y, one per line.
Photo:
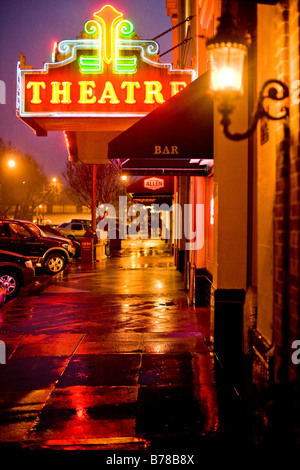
column 94, row 199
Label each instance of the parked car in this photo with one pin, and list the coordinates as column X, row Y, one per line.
column 74, row 230
column 82, row 221
column 25, row 238
column 16, row 271
column 49, row 231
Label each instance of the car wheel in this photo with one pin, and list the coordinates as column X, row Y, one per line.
column 10, row 282
column 55, row 263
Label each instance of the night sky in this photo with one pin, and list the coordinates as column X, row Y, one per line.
column 32, row 27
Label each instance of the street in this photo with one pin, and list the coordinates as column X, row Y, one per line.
column 109, row 355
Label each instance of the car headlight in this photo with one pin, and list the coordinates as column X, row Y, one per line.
column 28, row 263
column 68, row 247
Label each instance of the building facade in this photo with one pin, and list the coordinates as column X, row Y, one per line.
column 241, row 198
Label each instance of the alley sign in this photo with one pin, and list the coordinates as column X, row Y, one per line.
column 107, row 72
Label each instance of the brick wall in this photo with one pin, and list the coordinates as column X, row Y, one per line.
column 282, row 208
column 294, row 279
column 286, row 324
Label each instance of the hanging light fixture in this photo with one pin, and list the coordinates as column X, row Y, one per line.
column 227, row 52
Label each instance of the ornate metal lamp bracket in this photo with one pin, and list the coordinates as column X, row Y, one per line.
column 226, row 108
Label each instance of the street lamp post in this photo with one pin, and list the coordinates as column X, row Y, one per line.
column 11, row 163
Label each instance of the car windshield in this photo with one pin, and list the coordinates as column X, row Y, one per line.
column 76, row 227
column 50, row 232
column 19, row 231
column 39, row 232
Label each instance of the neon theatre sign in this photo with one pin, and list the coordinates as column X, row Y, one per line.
column 107, row 72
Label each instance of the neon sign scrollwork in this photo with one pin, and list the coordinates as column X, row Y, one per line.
column 108, row 34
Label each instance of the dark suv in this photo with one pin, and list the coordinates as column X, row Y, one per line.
column 16, row 271
column 44, row 251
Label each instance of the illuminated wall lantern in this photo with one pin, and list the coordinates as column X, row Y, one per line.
column 227, row 52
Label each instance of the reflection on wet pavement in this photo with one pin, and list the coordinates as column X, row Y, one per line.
column 109, row 355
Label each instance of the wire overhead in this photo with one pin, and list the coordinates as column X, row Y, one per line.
column 173, row 27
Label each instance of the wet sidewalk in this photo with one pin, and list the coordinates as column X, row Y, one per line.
column 111, row 356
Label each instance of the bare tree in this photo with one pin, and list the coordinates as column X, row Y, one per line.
column 79, row 179
column 22, row 182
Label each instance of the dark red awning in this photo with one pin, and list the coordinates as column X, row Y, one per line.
column 175, row 138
